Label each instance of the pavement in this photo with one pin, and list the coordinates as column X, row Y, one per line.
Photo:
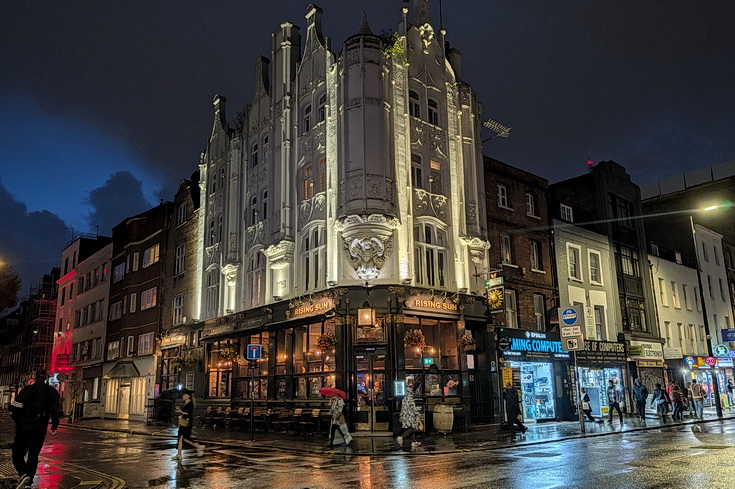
column 480, row 437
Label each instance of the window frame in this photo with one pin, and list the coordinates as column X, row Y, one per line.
column 566, row 213
column 574, row 250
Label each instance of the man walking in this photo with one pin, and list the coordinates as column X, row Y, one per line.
column 31, row 411
column 513, row 409
column 697, row 395
column 640, row 395
column 614, row 398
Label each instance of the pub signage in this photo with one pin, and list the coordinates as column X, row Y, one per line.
column 312, row 308
column 432, row 303
column 537, row 344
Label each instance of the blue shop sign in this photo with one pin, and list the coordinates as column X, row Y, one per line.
column 728, row 335
column 532, row 344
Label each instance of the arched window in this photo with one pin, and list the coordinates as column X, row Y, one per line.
column 306, row 126
column 254, row 155
column 313, row 259
column 322, row 108
column 414, row 104
column 253, row 210
column 430, row 256
column 433, row 112
column 417, row 171
column 256, row 279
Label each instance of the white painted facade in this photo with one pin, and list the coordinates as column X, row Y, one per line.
column 714, row 282
column 351, row 167
column 586, row 276
column 678, row 308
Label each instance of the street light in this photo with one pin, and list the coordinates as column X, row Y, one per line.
column 715, row 382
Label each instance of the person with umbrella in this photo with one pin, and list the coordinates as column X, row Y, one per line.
column 338, row 421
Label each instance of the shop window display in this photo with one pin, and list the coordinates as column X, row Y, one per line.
column 537, row 389
column 430, row 368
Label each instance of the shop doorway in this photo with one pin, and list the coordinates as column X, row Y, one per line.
column 124, row 405
column 371, row 391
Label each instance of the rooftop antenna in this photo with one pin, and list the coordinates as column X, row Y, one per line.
column 500, row 130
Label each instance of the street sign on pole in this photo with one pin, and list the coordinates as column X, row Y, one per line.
column 254, row 352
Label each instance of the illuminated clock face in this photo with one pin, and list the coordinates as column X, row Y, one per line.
column 495, row 299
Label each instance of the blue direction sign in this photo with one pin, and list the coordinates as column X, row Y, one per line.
column 254, row 352
column 569, row 316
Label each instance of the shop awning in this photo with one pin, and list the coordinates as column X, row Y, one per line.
column 122, row 370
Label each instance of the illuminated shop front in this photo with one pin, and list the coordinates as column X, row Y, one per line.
column 699, row 369
column 536, row 363
column 323, row 341
column 597, row 365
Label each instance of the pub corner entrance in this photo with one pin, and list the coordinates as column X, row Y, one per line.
column 371, row 394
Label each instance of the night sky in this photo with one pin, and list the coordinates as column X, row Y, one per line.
column 105, row 106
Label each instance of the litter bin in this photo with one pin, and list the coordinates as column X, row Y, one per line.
column 443, row 418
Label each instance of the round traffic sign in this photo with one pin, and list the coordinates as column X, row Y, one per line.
column 569, row 316
column 711, row 361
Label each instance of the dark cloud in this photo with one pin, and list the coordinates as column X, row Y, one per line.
column 121, row 196
column 30, row 241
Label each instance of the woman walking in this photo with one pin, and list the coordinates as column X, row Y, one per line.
column 409, row 419
column 586, row 406
column 661, row 400
column 186, row 417
column 338, row 422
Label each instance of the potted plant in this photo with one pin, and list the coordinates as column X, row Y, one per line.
column 190, row 360
column 326, row 341
column 467, row 342
column 414, row 338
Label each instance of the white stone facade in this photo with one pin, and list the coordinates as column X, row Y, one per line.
column 586, row 276
column 714, row 282
column 678, row 308
column 351, row 167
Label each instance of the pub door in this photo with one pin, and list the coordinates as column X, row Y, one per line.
column 371, row 391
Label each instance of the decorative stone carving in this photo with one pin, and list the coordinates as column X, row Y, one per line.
column 426, row 33
column 313, row 209
column 255, row 234
column 352, row 57
column 367, row 242
column 427, row 204
column 471, row 213
column 476, row 246
column 375, row 187
column 212, row 253
column 280, row 254
column 230, row 273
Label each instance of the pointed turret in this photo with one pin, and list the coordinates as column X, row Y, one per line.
column 364, row 27
column 421, row 12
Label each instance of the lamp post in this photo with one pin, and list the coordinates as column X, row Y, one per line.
column 715, row 382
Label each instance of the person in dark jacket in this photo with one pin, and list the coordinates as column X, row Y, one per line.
column 586, row 406
column 31, row 410
column 614, row 398
column 640, row 395
column 512, row 408
column 661, row 400
column 186, row 417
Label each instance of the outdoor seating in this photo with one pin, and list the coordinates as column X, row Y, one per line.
column 281, row 420
column 294, row 420
column 204, row 418
column 309, row 422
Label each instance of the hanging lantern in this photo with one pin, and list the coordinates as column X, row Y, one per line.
column 365, row 315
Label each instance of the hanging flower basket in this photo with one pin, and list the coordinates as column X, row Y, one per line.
column 177, row 361
column 414, row 338
column 230, row 354
column 467, row 342
column 326, row 341
column 189, row 360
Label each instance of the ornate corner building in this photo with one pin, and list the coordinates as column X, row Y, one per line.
column 353, row 180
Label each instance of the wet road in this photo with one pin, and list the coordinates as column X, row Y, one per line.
column 700, row 456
